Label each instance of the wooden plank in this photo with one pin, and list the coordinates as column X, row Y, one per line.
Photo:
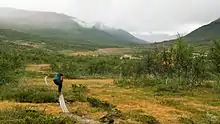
column 63, row 104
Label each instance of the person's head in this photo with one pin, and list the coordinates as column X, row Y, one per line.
column 61, row 74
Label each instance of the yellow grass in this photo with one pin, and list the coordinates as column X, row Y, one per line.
column 49, row 108
column 37, row 68
column 126, row 100
column 105, row 51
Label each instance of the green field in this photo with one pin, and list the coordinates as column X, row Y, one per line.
column 177, row 83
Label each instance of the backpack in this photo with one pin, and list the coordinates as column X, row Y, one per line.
column 56, row 77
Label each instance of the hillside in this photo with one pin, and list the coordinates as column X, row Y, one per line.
column 205, row 33
column 55, row 26
column 8, row 34
column 36, row 41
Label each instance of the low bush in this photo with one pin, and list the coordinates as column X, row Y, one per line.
column 30, row 116
column 159, row 84
column 186, row 121
column 36, row 95
column 11, row 67
column 34, row 75
column 87, row 66
column 94, row 102
column 217, row 86
column 173, row 87
column 146, row 119
column 78, row 93
column 31, row 94
column 110, row 117
column 138, row 81
column 201, row 118
column 173, row 103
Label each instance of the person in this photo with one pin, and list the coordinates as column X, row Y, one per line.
column 58, row 80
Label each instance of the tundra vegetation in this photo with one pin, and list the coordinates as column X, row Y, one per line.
column 180, row 79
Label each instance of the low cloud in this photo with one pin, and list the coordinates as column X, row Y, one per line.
column 141, row 16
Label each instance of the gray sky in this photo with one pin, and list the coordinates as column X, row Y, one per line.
column 138, row 16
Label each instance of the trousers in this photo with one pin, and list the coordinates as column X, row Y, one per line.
column 59, row 83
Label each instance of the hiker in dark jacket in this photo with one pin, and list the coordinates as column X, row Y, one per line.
column 58, row 80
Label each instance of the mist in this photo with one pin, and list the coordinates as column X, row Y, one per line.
column 155, row 17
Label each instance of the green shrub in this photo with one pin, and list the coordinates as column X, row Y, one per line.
column 94, row 102
column 78, row 93
column 186, row 121
column 159, row 84
column 30, row 94
column 34, row 75
column 174, row 88
column 11, row 67
column 173, row 103
column 215, row 56
column 36, row 95
column 217, row 86
column 146, row 119
column 205, row 118
column 82, row 66
column 30, row 116
column 209, row 84
column 110, row 117
column 143, row 81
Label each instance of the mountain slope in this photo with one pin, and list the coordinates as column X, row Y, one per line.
column 205, row 33
column 118, row 33
column 35, row 19
column 27, row 39
column 6, row 34
column 61, row 27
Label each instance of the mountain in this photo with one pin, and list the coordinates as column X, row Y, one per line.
column 34, row 19
column 118, row 33
column 7, row 34
column 55, row 26
column 155, row 37
column 205, row 33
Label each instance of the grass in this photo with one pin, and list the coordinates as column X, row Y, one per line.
column 167, row 108
column 141, row 117
column 124, row 99
column 34, row 75
column 214, row 102
column 134, row 104
column 29, row 115
column 199, row 112
column 201, row 118
column 78, row 93
column 170, row 102
column 105, row 51
column 94, row 102
column 30, row 94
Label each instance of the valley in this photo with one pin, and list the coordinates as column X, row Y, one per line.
column 110, row 76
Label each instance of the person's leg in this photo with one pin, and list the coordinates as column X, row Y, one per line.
column 60, row 87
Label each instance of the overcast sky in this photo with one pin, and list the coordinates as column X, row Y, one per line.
column 139, row 16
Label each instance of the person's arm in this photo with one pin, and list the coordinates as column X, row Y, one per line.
column 61, row 78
